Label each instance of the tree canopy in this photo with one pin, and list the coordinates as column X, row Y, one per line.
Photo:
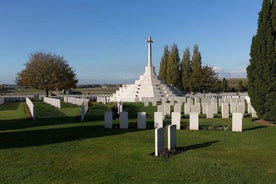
column 261, row 71
column 47, row 71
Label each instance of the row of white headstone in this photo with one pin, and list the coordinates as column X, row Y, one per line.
column 141, row 120
column 52, row 101
column 31, row 107
column 160, row 139
column 208, row 109
column 103, row 99
column 194, row 120
column 2, row 101
column 73, row 100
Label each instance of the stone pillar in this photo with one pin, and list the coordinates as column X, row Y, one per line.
column 193, row 121
column 158, row 119
column 176, row 117
column 108, row 119
column 237, row 122
column 124, row 120
column 171, row 137
column 159, row 141
column 141, row 120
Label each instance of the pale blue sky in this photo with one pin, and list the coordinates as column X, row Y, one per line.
column 104, row 40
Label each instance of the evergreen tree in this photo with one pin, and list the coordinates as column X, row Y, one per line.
column 240, row 86
column 209, row 80
column 173, row 66
column 163, row 63
column 186, row 70
column 196, row 74
column 224, row 85
column 261, row 71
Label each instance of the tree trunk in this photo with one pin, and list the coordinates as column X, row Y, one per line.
column 47, row 92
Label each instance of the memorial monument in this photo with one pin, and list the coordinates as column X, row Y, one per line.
column 148, row 85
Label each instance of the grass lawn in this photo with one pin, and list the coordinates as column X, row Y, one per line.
column 58, row 148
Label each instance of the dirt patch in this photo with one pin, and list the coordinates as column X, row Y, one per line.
column 264, row 122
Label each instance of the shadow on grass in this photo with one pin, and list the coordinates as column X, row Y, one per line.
column 254, row 128
column 56, row 135
column 9, row 106
column 180, row 149
column 17, row 124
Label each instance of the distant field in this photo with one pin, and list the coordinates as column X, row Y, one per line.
column 84, row 91
column 58, row 148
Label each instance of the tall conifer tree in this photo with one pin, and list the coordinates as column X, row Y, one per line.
column 173, row 66
column 261, row 71
column 163, row 63
column 186, row 70
column 196, row 74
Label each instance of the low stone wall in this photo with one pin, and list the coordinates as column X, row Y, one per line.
column 52, row 101
column 75, row 101
column 2, row 100
column 31, row 107
column 84, row 110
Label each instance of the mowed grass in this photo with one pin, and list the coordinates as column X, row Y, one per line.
column 61, row 149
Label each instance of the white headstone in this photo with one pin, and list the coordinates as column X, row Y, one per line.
column 177, row 107
column 159, row 141
column 171, row 137
column 237, row 122
column 176, row 117
column 187, row 108
column 233, row 107
column 241, row 107
column 124, row 120
column 141, row 120
column 193, row 121
column 209, row 111
column 167, row 107
column 108, row 119
column 225, row 110
column 158, row 119
column 196, row 108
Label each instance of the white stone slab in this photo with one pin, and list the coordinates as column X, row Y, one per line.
column 124, row 120
column 237, row 122
column 177, row 107
column 52, row 101
column 167, row 108
column 108, row 119
column 241, row 107
column 225, row 110
column 158, row 119
column 187, row 108
column 193, row 121
column 2, row 100
column 84, row 110
column 196, row 108
column 141, row 120
column 176, row 117
column 171, row 137
column 233, row 107
column 31, row 107
column 209, row 111
column 159, row 141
